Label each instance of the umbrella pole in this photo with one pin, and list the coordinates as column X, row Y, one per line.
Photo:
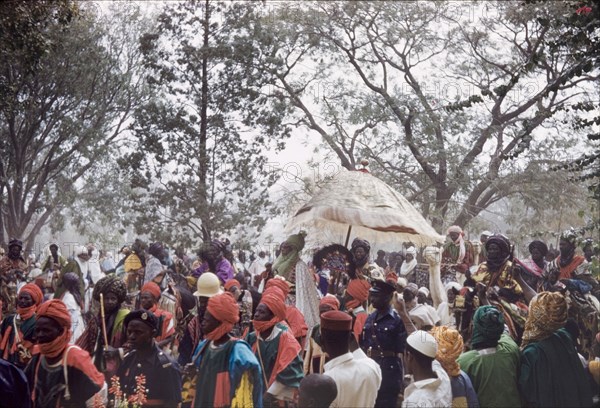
column 348, row 235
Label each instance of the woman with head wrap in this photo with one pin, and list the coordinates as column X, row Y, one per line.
column 357, row 294
column 229, row 374
column 17, row 330
column 315, row 358
column 493, row 363
column 277, row 351
column 61, row 374
column 107, row 359
column 213, row 261
column 457, row 256
column 72, row 300
column 450, row 346
column 551, row 373
column 292, row 268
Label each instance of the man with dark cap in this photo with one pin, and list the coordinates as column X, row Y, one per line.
column 54, row 261
column 163, row 381
column 10, row 262
column 316, row 390
column 357, row 378
column 361, row 249
column 383, row 339
column 493, row 363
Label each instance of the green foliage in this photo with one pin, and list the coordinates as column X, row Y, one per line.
column 66, row 94
column 198, row 168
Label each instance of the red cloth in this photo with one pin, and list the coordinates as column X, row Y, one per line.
column 392, row 278
column 231, row 283
column 331, row 301
column 359, row 290
column 225, row 309
column 152, row 288
column 359, row 323
column 274, row 303
column 56, row 310
column 167, row 318
column 278, row 283
column 566, row 272
column 287, row 351
column 296, row 321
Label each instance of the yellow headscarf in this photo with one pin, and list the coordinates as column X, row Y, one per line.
column 547, row 314
column 450, row 346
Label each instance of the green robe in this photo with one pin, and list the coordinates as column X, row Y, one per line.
column 292, row 374
column 552, row 374
column 494, row 376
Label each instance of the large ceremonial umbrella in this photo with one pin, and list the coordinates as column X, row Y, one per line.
column 359, row 203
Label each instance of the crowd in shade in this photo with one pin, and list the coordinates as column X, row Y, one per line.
column 467, row 324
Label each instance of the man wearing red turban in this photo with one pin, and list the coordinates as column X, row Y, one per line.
column 277, row 351
column 82, row 380
column 294, row 318
column 357, row 294
column 228, row 372
column 314, row 360
column 149, row 296
column 16, row 331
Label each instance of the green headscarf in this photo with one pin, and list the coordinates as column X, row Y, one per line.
column 284, row 264
column 488, row 326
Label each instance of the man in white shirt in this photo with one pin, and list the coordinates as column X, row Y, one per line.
column 258, row 265
column 431, row 385
column 357, row 377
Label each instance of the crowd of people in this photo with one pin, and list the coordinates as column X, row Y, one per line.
column 471, row 325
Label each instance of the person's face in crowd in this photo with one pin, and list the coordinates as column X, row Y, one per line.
column 451, row 295
column 286, row 249
column 454, row 236
column 235, row 291
column 14, row 251
column 407, row 295
column 111, row 302
column 359, row 253
column 84, row 257
column 379, row 300
column 421, row 297
column 409, row 257
column 209, row 322
column 54, row 250
column 147, row 300
column 263, row 313
column 588, row 252
column 324, row 308
column 139, row 334
column 493, row 251
column 25, row 300
column 536, row 254
column 47, row 329
column 564, row 246
column 483, row 239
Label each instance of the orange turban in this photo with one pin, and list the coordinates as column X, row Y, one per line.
column 152, row 288
column 55, row 309
column 225, row 309
column 35, row 292
column 278, row 283
column 450, row 346
column 359, row 290
column 231, row 283
column 391, row 278
column 271, row 299
column 331, row 301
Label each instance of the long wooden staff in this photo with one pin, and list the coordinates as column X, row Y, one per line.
column 103, row 321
